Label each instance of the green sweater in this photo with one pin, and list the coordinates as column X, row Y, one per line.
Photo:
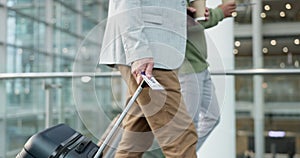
column 196, row 49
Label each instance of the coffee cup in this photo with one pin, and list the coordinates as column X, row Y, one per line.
column 200, row 6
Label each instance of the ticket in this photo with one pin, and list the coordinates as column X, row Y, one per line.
column 153, row 83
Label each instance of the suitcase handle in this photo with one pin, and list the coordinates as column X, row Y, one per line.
column 64, row 145
column 120, row 119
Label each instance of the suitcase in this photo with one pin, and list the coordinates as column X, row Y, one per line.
column 61, row 141
column 58, row 141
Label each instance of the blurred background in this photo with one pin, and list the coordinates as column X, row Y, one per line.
column 40, row 39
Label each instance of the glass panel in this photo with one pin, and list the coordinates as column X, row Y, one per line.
column 69, row 3
column 25, row 32
column 244, row 88
column 65, row 49
column 30, row 8
column 281, row 88
column 87, row 26
column 92, row 11
column 280, row 50
column 27, row 51
column 65, row 18
column 27, row 99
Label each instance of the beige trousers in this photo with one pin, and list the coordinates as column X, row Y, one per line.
column 159, row 114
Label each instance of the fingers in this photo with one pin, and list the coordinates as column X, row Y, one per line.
column 206, row 14
column 191, row 9
column 228, row 8
column 231, row 6
column 232, row 10
column 230, row 3
column 137, row 76
column 142, row 66
column 148, row 70
column 138, row 79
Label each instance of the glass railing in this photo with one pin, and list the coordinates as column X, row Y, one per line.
column 31, row 102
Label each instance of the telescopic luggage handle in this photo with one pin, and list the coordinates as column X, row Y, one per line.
column 120, row 119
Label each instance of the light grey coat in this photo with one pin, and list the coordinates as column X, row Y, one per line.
column 138, row 29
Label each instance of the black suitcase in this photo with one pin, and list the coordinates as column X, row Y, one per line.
column 61, row 141
column 57, row 142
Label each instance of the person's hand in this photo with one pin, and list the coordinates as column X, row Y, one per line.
column 140, row 66
column 228, row 8
column 191, row 11
column 206, row 14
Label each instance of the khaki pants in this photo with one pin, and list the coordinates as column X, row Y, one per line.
column 161, row 114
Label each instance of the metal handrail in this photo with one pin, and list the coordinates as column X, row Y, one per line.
column 57, row 75
column 258, row 72
column 116, row 73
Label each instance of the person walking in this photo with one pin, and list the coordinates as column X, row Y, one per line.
column 197, row 87
column 149, row 37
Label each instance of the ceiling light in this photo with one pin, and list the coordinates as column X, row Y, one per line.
column 20, row 51
column 237, row 43
column 285, row 49
column 234, row 14
column 17, row 91
column 282, row 14
column 265, row 50
column 297, row 41
column 27, row 90
column 267, row 7
column 273, row 42
column 263, row 15
column 65, row 50
column 296, row 63
column 288, row 6
column 235, row 51
column 282, row 65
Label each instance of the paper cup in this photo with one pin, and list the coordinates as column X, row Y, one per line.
column 200, row 6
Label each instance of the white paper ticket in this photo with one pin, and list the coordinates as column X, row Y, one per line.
column 153, row 83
